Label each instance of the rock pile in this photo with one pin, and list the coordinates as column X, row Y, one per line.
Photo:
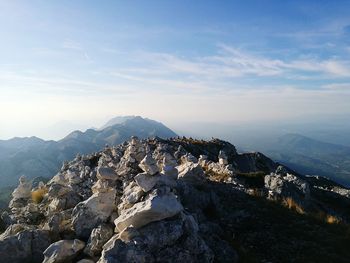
column 141, row 201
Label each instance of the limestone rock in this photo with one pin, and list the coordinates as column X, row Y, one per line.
column 86, row 260
column 179, row 152
column 99, row 236
column 149, row 165
column 116, row 251
column 153, row 209
column 279, row 186
column 128, row 234
column 13, row 230
column 72, row 177
column 63, row 251
column 25, row 246
column 169, row 166
column 188, row 158
column 191, row 172
column 222, row 158
column 132, row 193
column 147, row 182
column 57, row 190
column 170, row 240
column 101, row 186
column 95, row 210
column 106, row 173
column 23, row 190
column 203, row 159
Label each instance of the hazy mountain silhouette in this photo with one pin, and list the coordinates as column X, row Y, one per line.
column 35, row 157
column 309, row 156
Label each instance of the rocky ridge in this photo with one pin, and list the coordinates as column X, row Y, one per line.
column 153, row 200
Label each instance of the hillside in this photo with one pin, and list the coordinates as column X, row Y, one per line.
column 35, row 157
column 177, row 200
column 309, row 156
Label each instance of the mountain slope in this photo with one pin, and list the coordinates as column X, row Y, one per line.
column 177, row 200
column 35, row 157
column 309, row 156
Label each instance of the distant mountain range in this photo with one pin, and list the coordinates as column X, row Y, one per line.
column 34, row 157
column 309, row 156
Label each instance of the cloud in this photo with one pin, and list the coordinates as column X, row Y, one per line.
column 225, row 67
column 71, row 44
column 338, row 87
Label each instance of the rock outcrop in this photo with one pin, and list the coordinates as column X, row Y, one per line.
column 152, row 200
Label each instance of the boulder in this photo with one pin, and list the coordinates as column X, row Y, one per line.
column 106, row 173
column 169, row 166
column 92, row 212
column 191, row 172
column 153, row 209
column 172, row 240
column 128, row 234
column 25, row 246
column 116, row 251
column 99, row 236
column 13, row 230
column 86, row 260
column 23, row 190
column 147, row 182
column 132, row 193
column 288, row 186
column 58, row 190
column 101, row 186
column 149, row 165
column 73, row 178
column 63, row 251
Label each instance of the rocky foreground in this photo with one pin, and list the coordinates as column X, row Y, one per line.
column 176, row 200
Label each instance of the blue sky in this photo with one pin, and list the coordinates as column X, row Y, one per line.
column 83, row 62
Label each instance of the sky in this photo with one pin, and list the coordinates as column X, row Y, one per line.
column 74, row 64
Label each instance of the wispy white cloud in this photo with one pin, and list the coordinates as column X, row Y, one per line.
column 71, row 44
column 338, row 87
column 229, row 63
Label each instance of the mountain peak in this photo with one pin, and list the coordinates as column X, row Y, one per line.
column 175, row 200
column 118, row 120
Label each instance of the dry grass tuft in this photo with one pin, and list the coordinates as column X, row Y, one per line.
column 291, row 204
column 38, row 195
column 330, row 219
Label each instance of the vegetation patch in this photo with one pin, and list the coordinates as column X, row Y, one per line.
column 252, row 180
column 38, row 195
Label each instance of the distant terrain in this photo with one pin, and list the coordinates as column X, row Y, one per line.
column 34, row 157
column 308, row 156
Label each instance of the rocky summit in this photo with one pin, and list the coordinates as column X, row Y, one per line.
column 176, row 200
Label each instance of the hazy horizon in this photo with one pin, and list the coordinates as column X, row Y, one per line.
column 202, row 129
column 70, row 65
